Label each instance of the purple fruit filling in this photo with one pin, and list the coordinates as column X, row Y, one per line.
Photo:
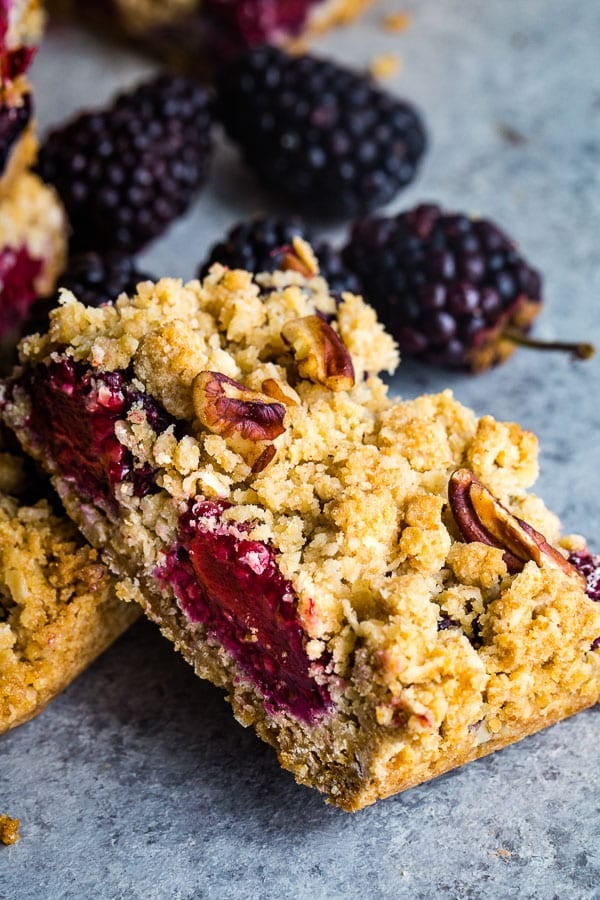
column 248, row 23
column 589, row 566
column 18, row 273
column 233, row 586
column 73, row 416
column 13, row 121
column 12, row 62
column 222, row 29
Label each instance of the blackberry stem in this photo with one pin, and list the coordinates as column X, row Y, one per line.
column 577, row 351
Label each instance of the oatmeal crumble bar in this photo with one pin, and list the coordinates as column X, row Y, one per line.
column 196, row 31
column 58, row 608
column 368, row 579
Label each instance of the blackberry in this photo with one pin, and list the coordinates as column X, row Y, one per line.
column 94, row 279
column 326, row 137
column 260, row 245
column 453, row 290
column 97, row 279
column 13, row 122
column 124, row 173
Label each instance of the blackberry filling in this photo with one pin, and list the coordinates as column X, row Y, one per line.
column 18, row 273
column 12, row 62
column 249, row 23
column 80, row 432
column 233, row 586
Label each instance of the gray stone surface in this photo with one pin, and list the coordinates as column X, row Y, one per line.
column 137, row 782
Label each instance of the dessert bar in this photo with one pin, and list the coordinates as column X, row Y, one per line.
column 58, row 608
column 368, row 579
column 196, row 31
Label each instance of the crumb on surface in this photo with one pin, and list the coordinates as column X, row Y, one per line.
column 9, row 830
column 385, row 66
column 397, row 22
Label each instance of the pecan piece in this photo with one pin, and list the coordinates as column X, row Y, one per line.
column 227, row 407
column 273, row 390
column 300, row 257
column 319, row 352
column 481, row 517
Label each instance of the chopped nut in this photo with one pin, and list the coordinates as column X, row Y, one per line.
column 274, row 390
column 226, row 407
column 319, row 352
column 300, row 257
column 264, row 459
column 481, row 517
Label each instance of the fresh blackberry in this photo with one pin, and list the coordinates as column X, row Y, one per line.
column 13, row 122
column 326, row 137
column 124, row 173
column 261, row 244
column 94, row 279
column 97, row 279
column 453, row 290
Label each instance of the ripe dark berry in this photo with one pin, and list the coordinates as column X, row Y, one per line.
column 97, row 279
column 94, row 279
column 324, row 136
column 447, row 286
column 13, row 122
column 261, row 244
column 125, row 173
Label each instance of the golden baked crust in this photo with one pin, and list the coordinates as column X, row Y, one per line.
column 22, row 154
column 430, row 650
column 58, row 607
column 31, row 215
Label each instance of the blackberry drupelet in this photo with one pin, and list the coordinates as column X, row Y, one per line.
column 449, row 287
column 261, row 244
column 326, row 137
column 125, row 173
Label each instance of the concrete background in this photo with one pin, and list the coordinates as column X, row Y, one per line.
column 137, row 782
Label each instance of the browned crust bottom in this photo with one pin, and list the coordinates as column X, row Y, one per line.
column 394, row 779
